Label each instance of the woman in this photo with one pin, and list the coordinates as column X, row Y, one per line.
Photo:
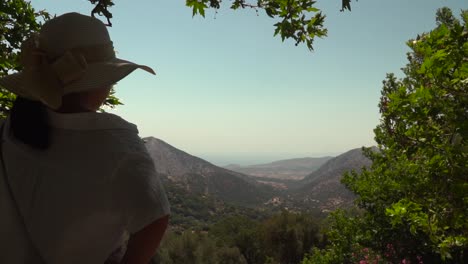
column 75, row 184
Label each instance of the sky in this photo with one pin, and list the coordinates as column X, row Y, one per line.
column 228, row 91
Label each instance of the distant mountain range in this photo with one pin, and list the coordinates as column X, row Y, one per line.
column 199, row 177
column 290, row 169
column 195, row 179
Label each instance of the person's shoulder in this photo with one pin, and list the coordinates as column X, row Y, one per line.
column 89, row 121
column 114, row 122
column 110, row 132
column 125, row 135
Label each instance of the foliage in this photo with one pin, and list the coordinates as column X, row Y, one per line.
column 197, row 248
column 296, row 21
column 289, row 236
column 415, row 195
column 282, row 238
column 198, row 212
column 243, row 233
column 17, row 20
column 101, row 9
column 343, row 235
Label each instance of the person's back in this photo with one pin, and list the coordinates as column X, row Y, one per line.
column 83, row 192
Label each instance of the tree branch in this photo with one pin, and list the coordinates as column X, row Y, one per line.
column 101, row 7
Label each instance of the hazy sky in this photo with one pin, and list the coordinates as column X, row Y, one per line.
column 228, row 91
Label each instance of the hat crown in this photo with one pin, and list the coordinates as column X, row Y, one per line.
column 72, row 30
column 71, row 53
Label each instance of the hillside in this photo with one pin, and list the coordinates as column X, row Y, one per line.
column 199, row 177
column 199, row 191
column 322, row 189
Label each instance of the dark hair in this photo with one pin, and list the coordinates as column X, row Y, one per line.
column 29, row 123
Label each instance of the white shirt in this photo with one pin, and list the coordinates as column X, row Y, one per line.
column 82, row 196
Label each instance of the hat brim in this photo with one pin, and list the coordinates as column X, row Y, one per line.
column 97, row 75
column 103, row 74
column 13, row 83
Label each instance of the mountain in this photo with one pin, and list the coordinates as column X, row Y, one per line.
column 201, row 178
column 200, row 192
column 290, row 169
column 322, row 188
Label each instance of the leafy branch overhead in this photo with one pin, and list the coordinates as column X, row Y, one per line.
column 300, row 20
column 101, row 9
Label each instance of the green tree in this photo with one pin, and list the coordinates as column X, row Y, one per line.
column 415, row 195
column 287, row 237
column 282, row 238
column 17, row 20
column 197, row 248
column 243, row 233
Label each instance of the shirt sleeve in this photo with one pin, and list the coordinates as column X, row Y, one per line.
column 138, row 191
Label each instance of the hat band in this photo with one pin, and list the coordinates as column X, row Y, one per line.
column 45, row 77
column 92, row 54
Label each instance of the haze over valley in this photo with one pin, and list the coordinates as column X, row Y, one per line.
column 309, row 184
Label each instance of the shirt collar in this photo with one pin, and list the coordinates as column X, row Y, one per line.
column 88, row 121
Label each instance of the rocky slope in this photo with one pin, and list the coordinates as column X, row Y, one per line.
column 322, row 189
column 199, row 177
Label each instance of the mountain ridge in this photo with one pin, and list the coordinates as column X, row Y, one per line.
column 323, row 188
column 201, row 177
column 320, row 189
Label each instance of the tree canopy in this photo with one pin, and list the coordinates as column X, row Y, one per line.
column 280, row 238
column 17, row 20
column 414, row 198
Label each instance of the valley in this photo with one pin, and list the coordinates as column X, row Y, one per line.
column 266, row 213
column 202, row 193
column 291, row 169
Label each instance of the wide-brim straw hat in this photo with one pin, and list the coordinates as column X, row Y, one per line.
column 71, row 53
